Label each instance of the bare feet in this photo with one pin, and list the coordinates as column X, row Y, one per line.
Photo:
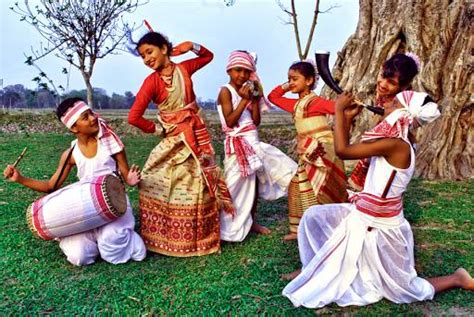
column 259, row 229
column 290, row 236
column 291, row 276
column 465, row 279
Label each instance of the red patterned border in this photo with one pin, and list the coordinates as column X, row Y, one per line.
column 98, row 197
column 38, row 220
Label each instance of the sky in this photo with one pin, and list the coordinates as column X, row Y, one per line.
column 252, row 25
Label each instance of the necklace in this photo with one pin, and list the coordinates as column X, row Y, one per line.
column 167, row 74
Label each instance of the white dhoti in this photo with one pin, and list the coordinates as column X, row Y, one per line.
column 269, row 166
column 351, row 258
column 116, row 242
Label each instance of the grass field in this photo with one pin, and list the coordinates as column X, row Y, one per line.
column 242, row 280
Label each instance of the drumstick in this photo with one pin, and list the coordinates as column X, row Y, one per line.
column 20, row 157
column 18, row 160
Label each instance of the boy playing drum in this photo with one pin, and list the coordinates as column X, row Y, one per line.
column 96, row 151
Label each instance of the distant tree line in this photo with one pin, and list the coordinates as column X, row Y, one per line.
column 18, row 96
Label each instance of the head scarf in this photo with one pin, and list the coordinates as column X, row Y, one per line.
column 414, row 103
column 244, row 60
column 72, row 114
column 248, row 61
column 106, row 135
column 397, row 123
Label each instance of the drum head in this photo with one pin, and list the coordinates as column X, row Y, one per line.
column 115, row 192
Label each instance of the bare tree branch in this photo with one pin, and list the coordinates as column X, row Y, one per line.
column 311, row 32
column 79, row 32
column 295, row 27
column 334, row 6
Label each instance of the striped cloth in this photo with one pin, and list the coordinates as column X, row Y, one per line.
column 109, row 139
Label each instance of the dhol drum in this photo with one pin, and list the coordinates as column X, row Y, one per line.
column 78, row 207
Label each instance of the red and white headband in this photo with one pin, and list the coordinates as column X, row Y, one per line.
column 414, row 102
column 73, row 113
column 242, row 59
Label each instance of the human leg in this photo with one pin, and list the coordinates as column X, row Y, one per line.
column 459, row 279
column 80, row 249
column 118, row 242
column 257, row 228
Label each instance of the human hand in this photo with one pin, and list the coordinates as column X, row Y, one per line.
column 259, row 89
column 134, row 176
column 285, row 86
column 182, row 48
column 11, row 173
column 244, row 91
column 344, row 100
column 352, row 111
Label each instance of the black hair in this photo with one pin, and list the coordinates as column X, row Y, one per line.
column 65, row 105
column 428, row 99
column 157, row 39
column 401, row 65
column 307, row 70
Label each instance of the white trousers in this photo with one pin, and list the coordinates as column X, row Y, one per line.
column 273, row 177
column 350, row 258
column 116, row 242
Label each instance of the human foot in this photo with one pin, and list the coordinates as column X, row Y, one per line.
column 259, row 229
column 464, row 279
column 290, row 276
column 290, row 236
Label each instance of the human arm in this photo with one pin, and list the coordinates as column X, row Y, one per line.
column 130, row 175
column 142, row 100
column 45, row 186
column 230, row 114
column 320, row 106
column 395, row 151
column 276, row 97
column 192, row 65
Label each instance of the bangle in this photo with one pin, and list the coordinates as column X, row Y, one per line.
column 196, row 48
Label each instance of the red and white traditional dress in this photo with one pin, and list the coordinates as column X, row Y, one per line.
column 320, row 178
column 182, row 191
column 248, row 161
column 358, row 253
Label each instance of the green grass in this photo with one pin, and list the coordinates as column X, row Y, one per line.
column 242, row 280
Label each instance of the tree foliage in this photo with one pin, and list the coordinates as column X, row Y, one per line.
column 77, row 31
column 17, row 96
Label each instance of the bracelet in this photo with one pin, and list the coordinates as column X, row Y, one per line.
column 285, row 86
column 196, row 48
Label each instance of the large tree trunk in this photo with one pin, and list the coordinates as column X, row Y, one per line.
column 440, row 32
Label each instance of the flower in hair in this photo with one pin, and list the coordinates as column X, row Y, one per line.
column 415, row 58
column 131, row 45
column 312, row 62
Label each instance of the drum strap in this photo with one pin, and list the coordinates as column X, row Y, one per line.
column 62, row 169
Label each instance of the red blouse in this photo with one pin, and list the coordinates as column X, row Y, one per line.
column 153, row 89
column 318, row 106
